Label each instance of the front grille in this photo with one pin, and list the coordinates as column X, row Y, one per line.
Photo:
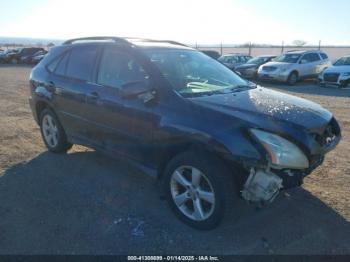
column 269, row 68
column 329, row 134
column 331, row 77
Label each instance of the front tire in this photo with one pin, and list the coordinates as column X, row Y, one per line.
column 52, row 132
column 292, row 79
column 200, row 189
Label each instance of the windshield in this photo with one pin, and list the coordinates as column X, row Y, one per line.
column 288, row 58
column 258, row 60
column 194, row 73
column 343, row 61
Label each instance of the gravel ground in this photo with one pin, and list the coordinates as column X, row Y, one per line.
column 86, row 203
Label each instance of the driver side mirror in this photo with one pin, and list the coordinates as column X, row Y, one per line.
column 303, row 61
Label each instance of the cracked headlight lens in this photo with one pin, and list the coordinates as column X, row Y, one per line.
column 283, row 153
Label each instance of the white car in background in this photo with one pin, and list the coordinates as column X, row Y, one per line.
column 338, row 74
column 293, row 66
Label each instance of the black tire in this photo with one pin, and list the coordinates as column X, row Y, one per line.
column 222, row 181
column 292, row 79
column 62, row 144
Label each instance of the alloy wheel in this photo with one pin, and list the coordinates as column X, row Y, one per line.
column 50, row 130
column 192, row 193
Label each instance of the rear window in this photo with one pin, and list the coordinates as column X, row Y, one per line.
column 81, row 62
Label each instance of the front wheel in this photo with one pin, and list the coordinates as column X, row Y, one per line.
column 52, row 132
column 292, row 79
column 200, row 190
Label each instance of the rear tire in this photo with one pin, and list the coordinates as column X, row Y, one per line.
column 53, row 133
column 200, row 190
column 292, row 79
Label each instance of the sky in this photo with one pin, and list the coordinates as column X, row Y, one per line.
column 188, row 21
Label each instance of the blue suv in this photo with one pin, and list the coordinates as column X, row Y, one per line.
column 209, row 136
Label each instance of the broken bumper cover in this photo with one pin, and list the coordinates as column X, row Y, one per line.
column 264, row 185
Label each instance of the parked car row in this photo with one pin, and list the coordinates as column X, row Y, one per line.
column 26, row 55
column 291, row 67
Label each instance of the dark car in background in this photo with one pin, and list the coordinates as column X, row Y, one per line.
column 33, row 58
column 249, row 70
column 207, row 134
column 213, row 54
column 15, row 58
column 7, row 53
column 234, row 60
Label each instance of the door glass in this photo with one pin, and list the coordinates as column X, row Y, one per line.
column 118, row 68
column 81, row 62
column 61, row 68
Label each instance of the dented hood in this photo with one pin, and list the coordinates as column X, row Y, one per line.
column 262, row 104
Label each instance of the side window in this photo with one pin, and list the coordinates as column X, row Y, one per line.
column 53, row 64
column 118, row 68
column 324, row 56
column 315, row 57
column 62, row 65
column 81, row 62
column 311, row 57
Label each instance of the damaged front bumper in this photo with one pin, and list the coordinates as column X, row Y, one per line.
column 263, row 185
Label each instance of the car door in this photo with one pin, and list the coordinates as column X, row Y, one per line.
column 70, row 83
column 122, row 125
column 306, row 65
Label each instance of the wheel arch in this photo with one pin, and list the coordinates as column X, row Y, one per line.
column 217, row 151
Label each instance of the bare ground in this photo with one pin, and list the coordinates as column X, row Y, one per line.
column 81, row 203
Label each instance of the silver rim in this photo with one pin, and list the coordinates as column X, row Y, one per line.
column 192, row 193
column 50, row 130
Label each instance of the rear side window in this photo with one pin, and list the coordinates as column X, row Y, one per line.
column 311, row 57
column 62, row 64
column 324, row 56
column 81, row 62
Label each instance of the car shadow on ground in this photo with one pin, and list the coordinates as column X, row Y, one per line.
column 309, row 87
column 87, row 203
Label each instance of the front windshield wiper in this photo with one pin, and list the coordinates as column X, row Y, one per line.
column 239, row 88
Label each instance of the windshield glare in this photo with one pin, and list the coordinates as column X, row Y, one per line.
column 343, row 61
column 288, row 58
column 192, row 72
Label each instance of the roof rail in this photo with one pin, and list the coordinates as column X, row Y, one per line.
column 113, row 38
column 156, row 41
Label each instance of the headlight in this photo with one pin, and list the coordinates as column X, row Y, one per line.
column 346, row 74
column 282, row 152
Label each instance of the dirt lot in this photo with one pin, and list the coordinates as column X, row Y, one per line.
column 86, row 203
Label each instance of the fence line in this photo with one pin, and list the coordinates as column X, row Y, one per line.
column 334, row 52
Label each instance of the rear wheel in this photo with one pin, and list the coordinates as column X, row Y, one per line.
column 200, row 190
column 292, row 79
column 52, row 132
